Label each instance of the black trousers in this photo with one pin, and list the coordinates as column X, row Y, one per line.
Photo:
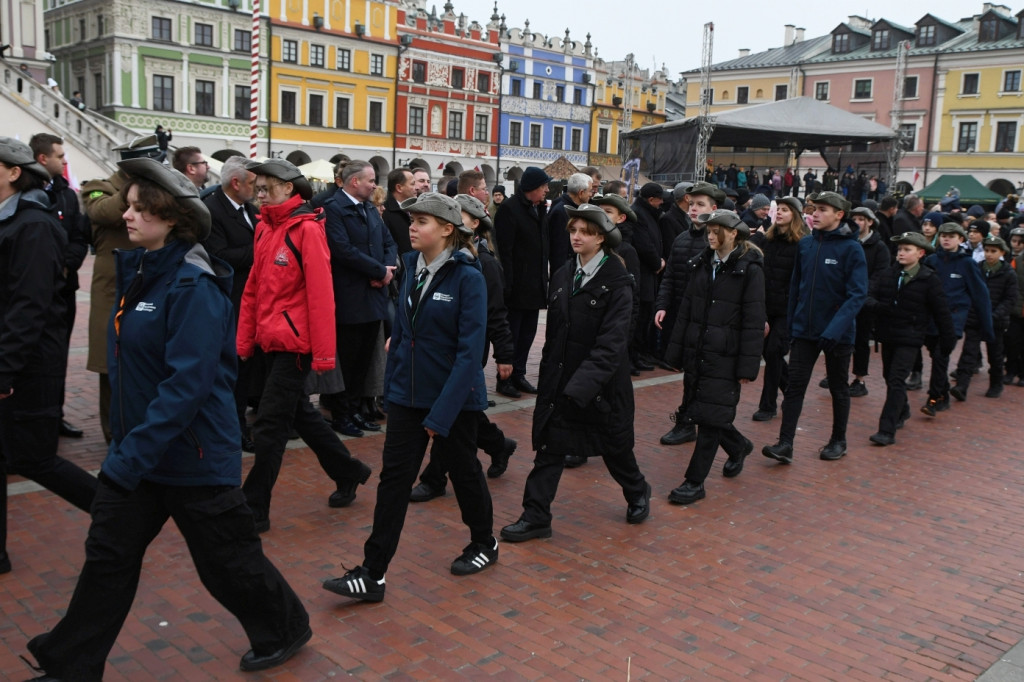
column 489, row 438
column 542, row 483
column 897, row 363
column 29, row 420
column 285, row 403
column 862, row 344
column 776, row 371
column 970, row 357
column 1014, row 342
column 803, row 353
column 356, row 345
column 405, row 444
column 70, row 308
column 218, row 529
column 938, row 382
column 706, row 447
column 523, row 324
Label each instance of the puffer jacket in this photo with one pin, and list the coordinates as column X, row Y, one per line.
column 828, row 287
column 172, row 410
column 903, row 315
column 1002, row 292
column 288, row 302
column 647, row 242
column 965, row 287
column 779, row 260
column 719, row 334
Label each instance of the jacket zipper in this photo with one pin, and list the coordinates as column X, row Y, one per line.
column 194, row 440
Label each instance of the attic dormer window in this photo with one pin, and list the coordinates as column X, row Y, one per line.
column 881, row 40
column 926, row 35
column 840, row 43
column 989, row 30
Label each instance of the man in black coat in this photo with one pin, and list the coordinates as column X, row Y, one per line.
column 401, row 186
column 876, row 253
column 675, row 220
column 577, row 192
column 523, row 249
column 908, row 218
column 363, row 262
column 233, row 218
column 48, row 151
column 647, row 242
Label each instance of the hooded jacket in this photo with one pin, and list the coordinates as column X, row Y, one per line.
column 965, row 287
column 33, row 335
column 435, row 360
column 828, row 286
column 171, row 356
column 288, row 302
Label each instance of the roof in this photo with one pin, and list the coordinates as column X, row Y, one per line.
column 971, row 191
column 561, row 168
column 778, row 56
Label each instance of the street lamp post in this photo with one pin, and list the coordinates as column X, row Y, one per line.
column 512, row 68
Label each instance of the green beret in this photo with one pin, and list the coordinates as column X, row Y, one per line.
column 914, row 238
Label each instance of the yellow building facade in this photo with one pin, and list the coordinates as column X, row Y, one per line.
column 647, row 99
column 748, row 87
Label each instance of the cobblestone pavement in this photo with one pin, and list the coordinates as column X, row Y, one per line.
column 893, row 563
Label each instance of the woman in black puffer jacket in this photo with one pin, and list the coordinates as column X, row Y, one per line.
column 717, row 340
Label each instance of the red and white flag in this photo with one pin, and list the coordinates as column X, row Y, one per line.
column 917, row 176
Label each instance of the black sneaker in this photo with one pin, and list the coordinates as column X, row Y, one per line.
column 733, row 467
column 357, row 584
column 823, row 383
column 958, row 392
column 858, row 389
column 476, row 557
column 882, row 438
column 942, row 404
column 835, row 449
column 780, row 452
column 425, row 492
column 680, row 433
column 764, row 415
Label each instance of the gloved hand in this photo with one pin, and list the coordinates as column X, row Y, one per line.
column 826, row 344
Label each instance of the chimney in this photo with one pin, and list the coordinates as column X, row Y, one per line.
column 799, row 37
column 788, row 39
column 744, row 51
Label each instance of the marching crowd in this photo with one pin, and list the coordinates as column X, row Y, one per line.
column 215, row 307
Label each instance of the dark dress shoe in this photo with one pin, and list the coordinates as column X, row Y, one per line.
column 639, row 510
column 573, row 461
column 764, row 415
column 523, row 385
column 835, row 449
column 346, row 428
column 958, row 392
column 364, row 424
column 643, row 366
column 69, row 431
column 508, row 390
column 780, row 452
column 994, row 390
column 858, row 389
column 823, row 383
column 733, row 467
column 686, row 493
column 523, row 530
column 680, row 433
column 499, row 462
column 425, row 492
column 346, row 492
column 251, row 661
column 882, row 438
column 248, row 445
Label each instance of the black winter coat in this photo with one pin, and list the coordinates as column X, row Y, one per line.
column 647, row 242
column 904, row 314
column 904, row 221
column 876, row 253
column 1002, row 292
column 673, row 281
column 632, row 261
column 498, row 331
column 719, row 334
column 76, row 227
column 559, row 246
column 1018, row 267
column 397, row 222
column 231, row 240
column 779, row 260
column 585, row 394
column 672, row 223
column 523, row 247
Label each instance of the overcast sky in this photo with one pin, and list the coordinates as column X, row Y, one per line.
column 670, row 31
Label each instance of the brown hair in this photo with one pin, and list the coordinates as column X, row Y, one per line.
column 592, row 229
column 184, row 156
column 458, row 239
column 468, row 180
column 797, row 229
column 157, row 201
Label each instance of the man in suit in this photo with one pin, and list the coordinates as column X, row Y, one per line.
column 401, row 186
column 363, row 260
column 231, row 237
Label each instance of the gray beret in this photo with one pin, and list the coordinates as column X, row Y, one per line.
column 172, row 182
column 16, row 153
column 475, row 208
column 284, row 170
column 441, row 206
column 596, row 216
column 725, row 218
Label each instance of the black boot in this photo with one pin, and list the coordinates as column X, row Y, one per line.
column 995, row 386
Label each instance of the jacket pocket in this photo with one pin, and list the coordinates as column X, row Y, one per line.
column 291, row 324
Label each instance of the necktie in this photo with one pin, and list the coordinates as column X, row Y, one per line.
column 903, row 280
column 716, row 270
column 362, row 210
column 414, row 297
column 244, row 216
column 578, row 281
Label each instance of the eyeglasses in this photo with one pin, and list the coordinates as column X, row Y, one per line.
column 197, row 163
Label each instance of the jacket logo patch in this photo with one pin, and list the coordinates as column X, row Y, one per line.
column 831, row 261
column 281, row 258
column 955, row 275
column 145, row 307
column 439, row 296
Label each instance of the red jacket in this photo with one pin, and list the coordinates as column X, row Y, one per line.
column 288, row 302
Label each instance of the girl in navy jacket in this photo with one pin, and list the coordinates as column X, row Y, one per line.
column 433, row 388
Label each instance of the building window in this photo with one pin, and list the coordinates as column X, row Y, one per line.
column 602, row 140
column 881, row 40
column 419, row 72
column 1006, row 136
column 577, row 96
column 821, row 91
column 204, row 35
column 558, row 138
column 458, row 78
column 483, row 81
column 161, row 29
column 535, row 129
column 970, row 84
column 287, row 106
column 968, row 137
column 517, row 87
column 742, row 94
column 344, row 59
column 290, row 51
column 315, row 111
column 862, row 88
column 926, row 35
column 97, row 84
column 243, row 40
column 454, row 125
column 81, row 29
column 989, row 30
column 415, row 120
column 376, row 65
column 204, row 98
column 709, row 95
column 781, row 92
column 480, row 133
column 908, row 136
column 99, row 26
column 342, row 121
column 538, row 90
column 377, row 116
column 1011, row 81
column 576, row 139
column 515, row 133
column 841, row 43
column 910, row 87
column 559, row 93
column 316, row 55
column 163, row 93
column 243, row 102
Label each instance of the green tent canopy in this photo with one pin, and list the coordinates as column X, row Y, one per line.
column 971, row 191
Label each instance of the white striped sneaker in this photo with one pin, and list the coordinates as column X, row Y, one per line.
column 357, row 584
column 476, row 557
